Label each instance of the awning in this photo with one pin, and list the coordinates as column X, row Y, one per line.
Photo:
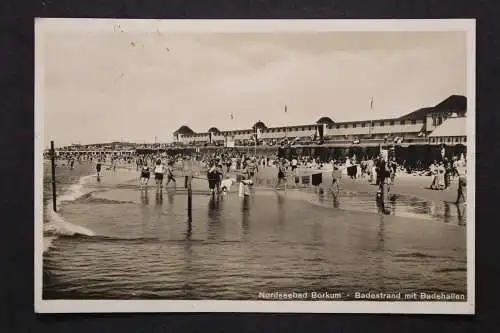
column 451, row 127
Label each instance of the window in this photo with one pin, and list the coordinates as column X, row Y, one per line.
column 354, row 125
column 449, row 140
column 363, row 125
column 345, row 125
column 402, row 122
column 337, row 126
column 465, row 139
column 413, row 122
column 391, row 123
column 381, row 124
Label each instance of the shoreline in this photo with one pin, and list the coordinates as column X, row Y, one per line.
column 405, row 184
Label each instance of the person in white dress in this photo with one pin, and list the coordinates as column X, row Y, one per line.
column 159, row 171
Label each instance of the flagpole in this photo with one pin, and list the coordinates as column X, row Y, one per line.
column 371, row 121
column 255, row 146
column 255, row 141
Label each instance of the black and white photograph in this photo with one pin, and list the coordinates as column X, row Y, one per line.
column 254, row 166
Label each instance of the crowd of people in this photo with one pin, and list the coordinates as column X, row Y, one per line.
column 225, row 167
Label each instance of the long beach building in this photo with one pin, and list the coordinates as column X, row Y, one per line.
column 416, row 137
column 441, row 124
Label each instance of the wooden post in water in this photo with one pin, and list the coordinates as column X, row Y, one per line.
column 53, row 160
column 190, row 197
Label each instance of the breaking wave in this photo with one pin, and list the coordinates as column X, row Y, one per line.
column 56, row 225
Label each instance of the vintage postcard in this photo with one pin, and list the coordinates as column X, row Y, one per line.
column 254, row 166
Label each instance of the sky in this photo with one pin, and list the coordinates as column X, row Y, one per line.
column 102, row 86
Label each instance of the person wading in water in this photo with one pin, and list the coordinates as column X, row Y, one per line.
column 383, row 174
column 145, row 174
column 462, row 183
column 98, row 167
column 282, row 174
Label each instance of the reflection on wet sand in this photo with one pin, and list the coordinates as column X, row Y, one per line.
column 380, row 253
column 190, row 208
column 144, row 197
column 281, row 209
column 245, row 215
column 189, row 229
column 170, row 198
column 214, row 217
column 225, row 246
column 146, row 213
column 461, row 211
column 159, row 198
column 399, row 205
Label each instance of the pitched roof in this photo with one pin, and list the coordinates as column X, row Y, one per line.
column 454, row 102
column 415, row 115
column 451, row 127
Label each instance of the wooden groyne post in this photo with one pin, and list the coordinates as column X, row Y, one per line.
column 190, row 196
column 53, row 165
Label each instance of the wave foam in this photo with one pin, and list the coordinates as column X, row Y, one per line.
column 75, row 190
column 57, row 225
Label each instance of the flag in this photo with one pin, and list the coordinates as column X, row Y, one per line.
column 371, row 104
column 232, row 116
column 286, row 108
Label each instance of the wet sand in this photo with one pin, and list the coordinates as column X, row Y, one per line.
column 417, row 186
column 409, row 185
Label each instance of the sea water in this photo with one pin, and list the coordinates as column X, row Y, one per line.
column 109, row 240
